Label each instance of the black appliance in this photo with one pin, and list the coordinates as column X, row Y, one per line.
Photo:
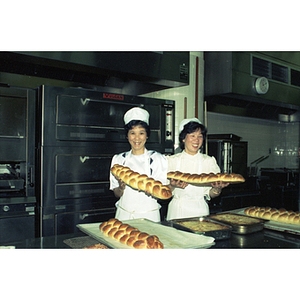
column 17, row 164
column 280, row 187
column 78, row 132
column 230, row 153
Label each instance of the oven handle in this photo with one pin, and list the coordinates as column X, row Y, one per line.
column 84, row 158
column 85, row 215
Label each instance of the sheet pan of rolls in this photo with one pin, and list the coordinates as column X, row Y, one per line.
column 170, row 238
column 276, row 219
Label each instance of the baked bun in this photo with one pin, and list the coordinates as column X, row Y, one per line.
column 141, row 182
column 129, row 235
column 97, row 246
column 273, row 214
column 204, row 178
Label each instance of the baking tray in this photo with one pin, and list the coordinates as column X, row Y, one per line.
column 170, row 237
column 240, row 228
column 273, row 225
column 220, row 234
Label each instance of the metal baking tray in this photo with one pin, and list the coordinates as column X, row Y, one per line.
column 240, row 227
column 220, row 234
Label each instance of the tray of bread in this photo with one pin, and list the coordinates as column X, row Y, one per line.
column 204, row 179
column 143, row 234
column 240, row 224
column 276, row 219
column 203, row 225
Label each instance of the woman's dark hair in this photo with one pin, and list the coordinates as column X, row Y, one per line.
column 133, row 123
column 190, row 128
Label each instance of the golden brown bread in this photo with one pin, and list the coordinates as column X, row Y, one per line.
column 205, row 178
column 129, row 235
column 274, row 214
column 97, row 246
column 141, row 182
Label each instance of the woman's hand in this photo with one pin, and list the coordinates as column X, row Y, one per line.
column 120, row 189
column 177, row 184
column 217, row 187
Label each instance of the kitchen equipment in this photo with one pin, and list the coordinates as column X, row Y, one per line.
column 121, row 72
column 240, row 224
column 17, row 164
column 253, row 165
column 203, row 225
column 231, row 155
column 78, row 133
column 170, row 237
column 273, row 225
column 230, row 84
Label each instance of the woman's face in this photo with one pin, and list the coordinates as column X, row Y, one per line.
column 193, row 142
column 137, row 137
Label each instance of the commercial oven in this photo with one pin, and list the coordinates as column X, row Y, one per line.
column 17, row 164
column 230, row 153
column 78, row 132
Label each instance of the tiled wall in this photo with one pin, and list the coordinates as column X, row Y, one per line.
column 278, row 140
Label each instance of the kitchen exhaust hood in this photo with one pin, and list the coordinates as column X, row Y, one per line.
column 254, row 84
column 132, row 73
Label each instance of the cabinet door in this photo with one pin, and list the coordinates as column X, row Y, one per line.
column 17, row 228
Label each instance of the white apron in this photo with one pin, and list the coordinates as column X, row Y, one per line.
column 188, row 202
column 134, row 204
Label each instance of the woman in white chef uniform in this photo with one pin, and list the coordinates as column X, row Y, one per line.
column 135, row 204
column 189, row 200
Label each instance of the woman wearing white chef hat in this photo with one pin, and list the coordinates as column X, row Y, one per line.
column 132, row 203
column 189, row 200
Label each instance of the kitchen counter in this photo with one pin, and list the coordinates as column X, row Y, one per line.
column 265, row 239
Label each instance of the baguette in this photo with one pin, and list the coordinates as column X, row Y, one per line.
column 273, row 214
column 141, row 182
column 129, row 235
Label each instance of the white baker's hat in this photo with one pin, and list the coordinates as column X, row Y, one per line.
column 185, row 121
column 136, row 113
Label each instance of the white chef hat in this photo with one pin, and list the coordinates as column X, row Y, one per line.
column 185, row 121
column 136, row 113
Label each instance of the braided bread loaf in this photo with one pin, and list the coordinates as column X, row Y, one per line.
column 273, row 214
column 129, row 235
column 141, row 182
column 205, row 178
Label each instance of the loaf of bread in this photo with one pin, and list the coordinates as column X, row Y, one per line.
column 273, row 214
column 141, row 182
column 205, row 178
column 129, row 235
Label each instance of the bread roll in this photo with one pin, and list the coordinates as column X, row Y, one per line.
column 266, row 215
column 141, row 182
column 282, row 210
column 129, row 235
column 283, row 218
column 205, row 178
column 274, row 214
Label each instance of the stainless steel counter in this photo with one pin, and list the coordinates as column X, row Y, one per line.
column 265, row 239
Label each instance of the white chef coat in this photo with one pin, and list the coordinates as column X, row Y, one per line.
column 190, row 201
column 134, row 204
